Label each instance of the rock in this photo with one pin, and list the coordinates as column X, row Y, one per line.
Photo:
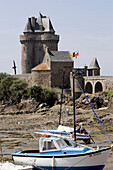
column 42, row 105
column 97, row 101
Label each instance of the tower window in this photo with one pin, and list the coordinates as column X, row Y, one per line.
column 90, row 73
column 23, row 48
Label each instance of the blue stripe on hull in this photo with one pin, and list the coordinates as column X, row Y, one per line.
column 98, row 167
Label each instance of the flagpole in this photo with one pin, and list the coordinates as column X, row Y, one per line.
column 75, row 62
column 78, row 59
column 75, row 55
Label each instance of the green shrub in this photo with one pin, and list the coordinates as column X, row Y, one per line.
column 35, row 92
column 43, row 95
column 12, row 88
column 110, row 94
column 2, row 76
column 5, row 84
column 18, row 89
column 48, row 96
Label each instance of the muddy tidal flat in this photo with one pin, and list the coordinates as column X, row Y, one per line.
column 16, row 131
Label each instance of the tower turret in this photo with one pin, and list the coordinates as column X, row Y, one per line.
column 37, row 34
column 94, row 69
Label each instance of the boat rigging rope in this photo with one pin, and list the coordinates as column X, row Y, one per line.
column 94, row 112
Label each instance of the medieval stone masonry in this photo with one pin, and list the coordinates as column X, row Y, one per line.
column 40, row 56
column 42, row 63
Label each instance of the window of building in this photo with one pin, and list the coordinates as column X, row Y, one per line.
column 90, row 72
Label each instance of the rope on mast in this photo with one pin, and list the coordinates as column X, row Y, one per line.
column 94, row 112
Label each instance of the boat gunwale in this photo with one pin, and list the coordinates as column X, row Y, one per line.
column 60, row 156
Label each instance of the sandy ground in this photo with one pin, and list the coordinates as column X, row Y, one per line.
column 16, row 130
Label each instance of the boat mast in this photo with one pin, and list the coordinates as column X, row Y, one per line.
column 74, row 122
column 61, row 96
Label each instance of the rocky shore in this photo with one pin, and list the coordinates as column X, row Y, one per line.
column 19, row 121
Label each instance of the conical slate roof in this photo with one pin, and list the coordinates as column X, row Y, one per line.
column 41, row 23
column 28, row 26
column 94, row 64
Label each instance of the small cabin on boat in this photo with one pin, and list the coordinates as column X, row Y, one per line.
column 47, row 144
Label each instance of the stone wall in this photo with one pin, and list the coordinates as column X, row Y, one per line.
column 41, row 77
column 27, row 56
column 33, row 48
column 46, row 78
column 92, row 84
column 105, row 81
column 108, row 83
column 57, row 73
column 79, row 79
column 26, row 77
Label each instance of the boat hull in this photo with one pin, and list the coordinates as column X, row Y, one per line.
column 92, row 160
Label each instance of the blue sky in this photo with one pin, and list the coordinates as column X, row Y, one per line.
column 84, row 25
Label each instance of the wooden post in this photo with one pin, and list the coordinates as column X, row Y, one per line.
column 74, row 122
column 61, row 97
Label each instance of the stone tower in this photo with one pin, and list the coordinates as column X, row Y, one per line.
column 94, row 68
column 38, row 34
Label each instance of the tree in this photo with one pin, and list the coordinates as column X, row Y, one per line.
column 12, row 88
column 18, row 89
column 5, row 87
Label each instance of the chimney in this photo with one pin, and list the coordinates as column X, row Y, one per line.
column 85, row 70
column 33, row 21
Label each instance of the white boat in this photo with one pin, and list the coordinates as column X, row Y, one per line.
column 54, row 153
column 65, row 131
